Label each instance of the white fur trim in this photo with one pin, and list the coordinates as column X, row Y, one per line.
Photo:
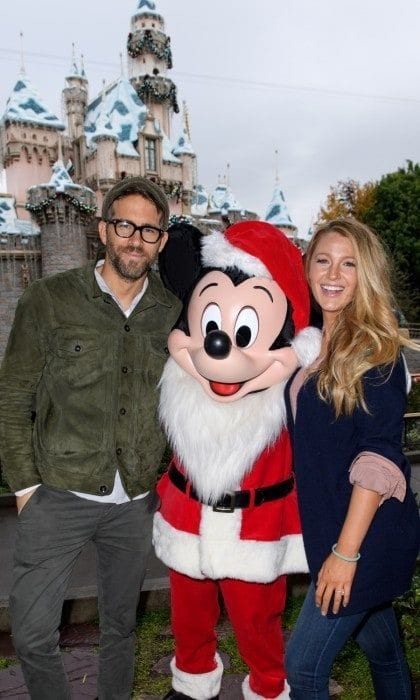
column 200, row 686
column 204, row 432
column 307, row 345
column 219, row 553
column 250, row 695
column 216, row 251
column 177, row 549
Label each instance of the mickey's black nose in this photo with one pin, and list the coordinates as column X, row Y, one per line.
column 217, row 344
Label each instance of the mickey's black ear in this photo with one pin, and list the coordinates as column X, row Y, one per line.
column 180, row 260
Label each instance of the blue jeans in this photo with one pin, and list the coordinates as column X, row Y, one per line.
column 316, row 641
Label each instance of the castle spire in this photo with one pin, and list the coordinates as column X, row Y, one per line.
column 277, row 212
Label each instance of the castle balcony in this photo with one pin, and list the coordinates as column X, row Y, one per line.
column 150, row 41
column 156, row 89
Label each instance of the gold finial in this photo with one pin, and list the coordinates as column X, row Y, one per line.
column 73, row 59
column 121, row 64
column 186, row 120
column 276, row 165
column 22, row 61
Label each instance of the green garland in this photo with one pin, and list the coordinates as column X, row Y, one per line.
column 179, row 219
column 48, row 201
column 148, row 90
column 173, row 189
column 146, row 43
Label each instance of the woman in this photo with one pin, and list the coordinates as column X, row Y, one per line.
column 359, row 517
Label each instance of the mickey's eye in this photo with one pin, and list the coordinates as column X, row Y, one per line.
column 246, row 327
column 211, row 319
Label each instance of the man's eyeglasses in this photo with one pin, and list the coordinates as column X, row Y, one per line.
column 126, row 229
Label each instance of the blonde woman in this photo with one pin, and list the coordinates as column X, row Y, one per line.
column 359, row 517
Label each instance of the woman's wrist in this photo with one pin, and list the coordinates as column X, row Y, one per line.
column 344, row 555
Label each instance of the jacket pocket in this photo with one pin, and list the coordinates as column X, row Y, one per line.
column 74, row 402
column 77, row 354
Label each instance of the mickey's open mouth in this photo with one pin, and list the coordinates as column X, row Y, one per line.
column 223, row 389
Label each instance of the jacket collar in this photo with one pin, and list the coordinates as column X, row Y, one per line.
column 155, row 292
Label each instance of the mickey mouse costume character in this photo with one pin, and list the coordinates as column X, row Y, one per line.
column 228, row 521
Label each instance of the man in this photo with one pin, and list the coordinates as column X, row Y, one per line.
column 87, row 348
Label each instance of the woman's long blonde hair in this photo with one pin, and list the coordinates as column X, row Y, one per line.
column 365, row 333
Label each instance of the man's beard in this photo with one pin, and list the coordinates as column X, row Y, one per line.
column 132, row 270
column 217, row 443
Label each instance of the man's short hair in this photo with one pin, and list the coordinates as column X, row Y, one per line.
column 141, row 186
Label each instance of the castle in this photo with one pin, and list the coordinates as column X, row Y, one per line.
column 54, row 175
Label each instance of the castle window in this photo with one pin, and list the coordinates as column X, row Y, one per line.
column 150, row 151
column 24, row 135
column 34, row 137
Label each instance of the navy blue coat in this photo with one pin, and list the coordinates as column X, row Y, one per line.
column 324, row 448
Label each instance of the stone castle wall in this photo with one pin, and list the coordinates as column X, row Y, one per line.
column 20, row 264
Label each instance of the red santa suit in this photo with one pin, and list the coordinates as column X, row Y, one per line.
column 238, row 457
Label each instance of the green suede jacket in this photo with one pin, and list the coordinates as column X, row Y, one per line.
column 91, row 376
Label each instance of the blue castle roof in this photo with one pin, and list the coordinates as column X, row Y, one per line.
column 277, row 212
column 24, row 105
column 147, row 7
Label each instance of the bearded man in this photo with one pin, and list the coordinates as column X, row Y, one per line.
column 87, row 349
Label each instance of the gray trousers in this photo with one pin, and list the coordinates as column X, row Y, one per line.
column 53, row 527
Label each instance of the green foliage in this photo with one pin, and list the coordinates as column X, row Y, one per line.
column 395, row 216
column 347, row 198
column 5, row 663
column 291, row 613
column 228, row 645
column 351, row 671
column 407, row 609
column 392, row 208
column 152, row 645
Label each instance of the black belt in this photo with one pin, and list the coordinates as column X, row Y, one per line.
column 234, row 499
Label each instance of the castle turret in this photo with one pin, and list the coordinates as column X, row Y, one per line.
column 151, row 57
column 20, row 262
column 62, row 210
column 75, row 98
column 29, row 134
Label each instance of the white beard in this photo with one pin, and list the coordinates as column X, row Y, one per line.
column 217, row 443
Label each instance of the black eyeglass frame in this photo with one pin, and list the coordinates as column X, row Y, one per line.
column 140, row 229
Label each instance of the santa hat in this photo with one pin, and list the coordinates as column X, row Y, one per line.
column 260, row 250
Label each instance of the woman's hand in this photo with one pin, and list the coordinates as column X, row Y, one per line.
column 335, row 580
column 336, row 575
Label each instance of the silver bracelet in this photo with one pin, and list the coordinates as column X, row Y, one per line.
column 343, row 556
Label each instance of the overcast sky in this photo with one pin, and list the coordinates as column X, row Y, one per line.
column 334, row 86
